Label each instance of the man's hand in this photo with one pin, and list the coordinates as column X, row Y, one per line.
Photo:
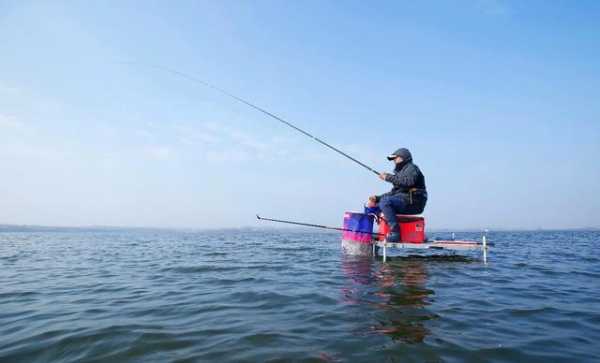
column 372, row 203
column 382, row 176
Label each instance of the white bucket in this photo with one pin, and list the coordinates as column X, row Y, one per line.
column 356, row 248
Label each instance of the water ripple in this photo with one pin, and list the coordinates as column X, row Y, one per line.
column 291, row 296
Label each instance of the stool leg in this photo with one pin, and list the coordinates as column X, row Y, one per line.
column 484, row 240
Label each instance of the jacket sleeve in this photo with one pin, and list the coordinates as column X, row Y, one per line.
column 405, row 179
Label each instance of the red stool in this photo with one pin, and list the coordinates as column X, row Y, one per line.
column 412, row 228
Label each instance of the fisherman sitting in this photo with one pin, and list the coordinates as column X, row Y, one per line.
column 408, row 196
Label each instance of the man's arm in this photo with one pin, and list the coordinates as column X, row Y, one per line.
column 406, row 179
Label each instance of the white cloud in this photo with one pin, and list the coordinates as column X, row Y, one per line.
column 8, row 90
column 220, row 142
column 10, row 122
column 160, row 153
column 197, row 136
column 35, row 152
column 222, row 156
column 144, row 134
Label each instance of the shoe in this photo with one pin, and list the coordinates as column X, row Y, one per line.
column 394, row 234
column 393, row 237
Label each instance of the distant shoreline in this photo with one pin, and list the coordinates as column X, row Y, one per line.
column 41, row 228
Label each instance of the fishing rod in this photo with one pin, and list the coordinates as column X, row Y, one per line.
column 206, row 84
column 315, row 225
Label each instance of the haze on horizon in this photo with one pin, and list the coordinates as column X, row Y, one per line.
column 497, row 100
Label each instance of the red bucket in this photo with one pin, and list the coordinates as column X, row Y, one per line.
column 412, row 228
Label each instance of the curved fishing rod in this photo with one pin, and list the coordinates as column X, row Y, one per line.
column 206, row 84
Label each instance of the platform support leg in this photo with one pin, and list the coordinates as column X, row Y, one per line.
column 384, row 252
column 484, row 242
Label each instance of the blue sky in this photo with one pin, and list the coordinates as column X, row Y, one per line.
column 498, row 100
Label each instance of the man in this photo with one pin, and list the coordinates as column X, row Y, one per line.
column 408, row 196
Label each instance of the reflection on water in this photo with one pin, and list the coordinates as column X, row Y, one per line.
column 394, row 295
column 404, row 298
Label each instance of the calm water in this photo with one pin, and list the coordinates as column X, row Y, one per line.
column 279, row 296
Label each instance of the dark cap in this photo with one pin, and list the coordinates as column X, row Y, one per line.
column 402, row 152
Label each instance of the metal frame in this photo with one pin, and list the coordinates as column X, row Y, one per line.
column 436, row 245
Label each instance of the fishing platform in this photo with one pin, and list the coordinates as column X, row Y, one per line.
column 358, row 236
column 453, row 245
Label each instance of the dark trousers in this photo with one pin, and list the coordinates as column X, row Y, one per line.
column 396, row 204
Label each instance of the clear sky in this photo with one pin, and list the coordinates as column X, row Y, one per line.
column 499, row 101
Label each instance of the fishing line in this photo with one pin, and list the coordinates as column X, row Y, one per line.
column 206, row 84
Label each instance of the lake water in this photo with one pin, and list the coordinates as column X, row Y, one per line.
column 292, row 296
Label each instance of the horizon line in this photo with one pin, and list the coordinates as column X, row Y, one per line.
column 8, row 226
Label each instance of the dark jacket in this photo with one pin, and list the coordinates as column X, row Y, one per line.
column 409, row 183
